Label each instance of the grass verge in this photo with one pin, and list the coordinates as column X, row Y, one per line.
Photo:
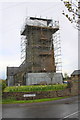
column 13, row 101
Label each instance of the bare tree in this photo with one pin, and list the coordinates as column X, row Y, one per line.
column 73, row 15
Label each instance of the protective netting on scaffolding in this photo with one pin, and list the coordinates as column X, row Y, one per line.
column 57, row 51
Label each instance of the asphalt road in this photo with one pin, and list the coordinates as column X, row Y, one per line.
column 67, row 108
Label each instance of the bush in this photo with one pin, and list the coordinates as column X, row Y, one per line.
column 35, row 88
column 2, row 84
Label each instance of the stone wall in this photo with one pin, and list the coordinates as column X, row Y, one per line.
column 75, row 88
column 38, row 94
column 10, row 81
column 70, row 91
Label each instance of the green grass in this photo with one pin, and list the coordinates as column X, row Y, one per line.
column 13, row 101
column 35, row 88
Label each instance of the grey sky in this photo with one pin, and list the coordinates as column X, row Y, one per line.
column 13, row 15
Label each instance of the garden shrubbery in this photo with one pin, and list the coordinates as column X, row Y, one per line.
column 2, row 85
column 35, row 88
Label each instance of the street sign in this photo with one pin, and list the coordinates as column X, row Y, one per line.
column 29, row 95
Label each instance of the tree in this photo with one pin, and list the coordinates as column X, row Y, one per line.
column 2, row 85
column 73, row 7
column 66, row 76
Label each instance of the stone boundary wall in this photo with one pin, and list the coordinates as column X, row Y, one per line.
column 38, row 94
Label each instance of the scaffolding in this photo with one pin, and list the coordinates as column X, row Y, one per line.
column 57, row 51
column 23, row 48
column 40, row 53
column 43, row 48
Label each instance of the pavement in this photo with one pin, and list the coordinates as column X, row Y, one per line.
column 59, row 109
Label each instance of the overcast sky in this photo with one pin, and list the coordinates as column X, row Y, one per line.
column 13, row 14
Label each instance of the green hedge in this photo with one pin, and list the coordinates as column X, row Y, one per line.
column 35, row 88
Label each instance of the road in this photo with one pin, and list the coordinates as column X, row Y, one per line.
column 66, row 108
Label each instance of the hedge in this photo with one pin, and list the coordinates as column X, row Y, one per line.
column 35, row 88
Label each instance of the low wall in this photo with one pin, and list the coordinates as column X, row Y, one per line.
column 37, row 95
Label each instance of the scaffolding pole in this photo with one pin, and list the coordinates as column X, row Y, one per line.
column 23, row 48
column 57, row 51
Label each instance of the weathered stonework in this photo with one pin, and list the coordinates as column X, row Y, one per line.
column 39, row 95
column 39, row 57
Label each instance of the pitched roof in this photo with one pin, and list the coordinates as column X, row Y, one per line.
column 76, row 72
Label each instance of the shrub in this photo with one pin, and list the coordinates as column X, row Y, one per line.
column 35, row 88
column 2, row 84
